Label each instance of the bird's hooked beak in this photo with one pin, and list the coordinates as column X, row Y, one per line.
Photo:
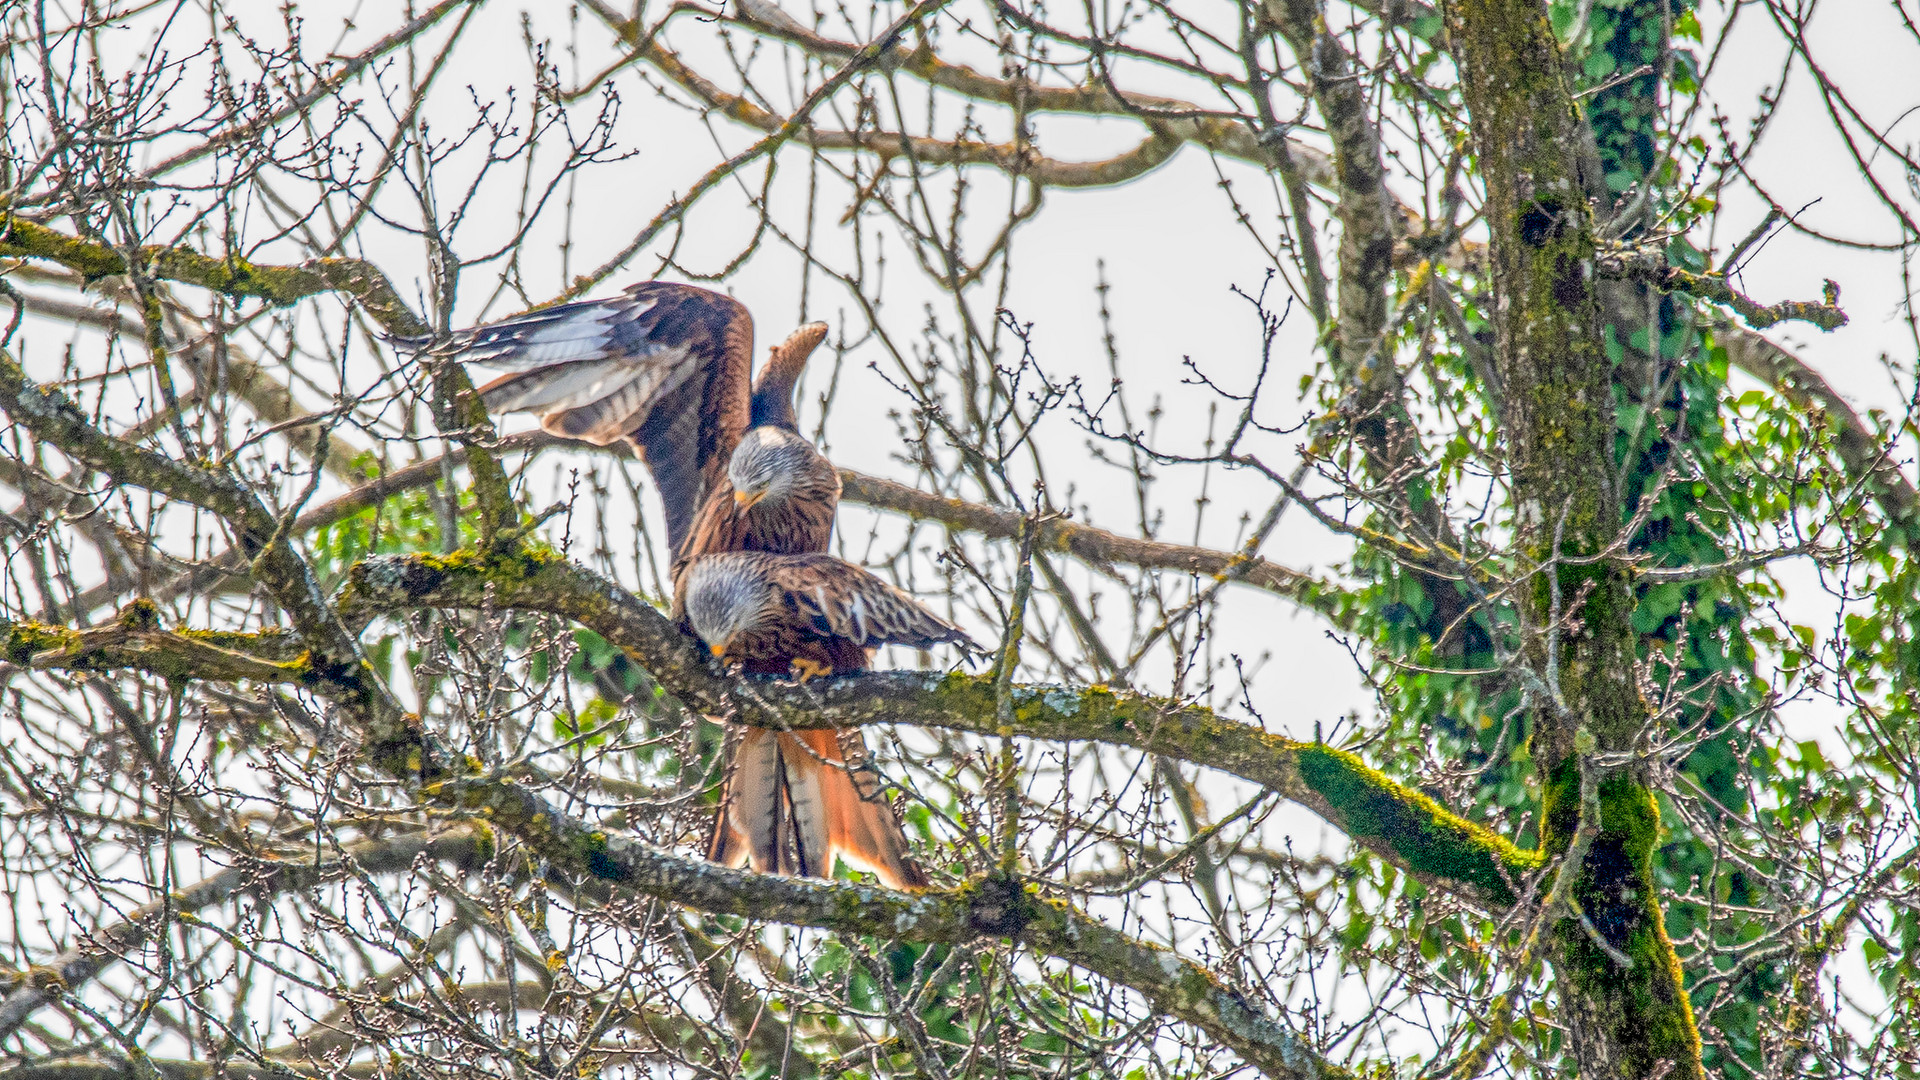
column 744, row 499
column 717, row 650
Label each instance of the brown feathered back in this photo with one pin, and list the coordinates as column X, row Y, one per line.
column 756, row 606
column 794, row 800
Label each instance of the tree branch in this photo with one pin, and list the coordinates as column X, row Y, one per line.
column 1092, row 545
column 1363, row 204
column 572, row 847
column 1095, row 546
column 319, row 91
column 1399, row 824
column 134, row 642
column 336, row 661
column 1649, row 266
column 1865, row 456
column 1222, row 135
column 238, row 373
column 232, row 276
column 469, row 848
column 983, row 907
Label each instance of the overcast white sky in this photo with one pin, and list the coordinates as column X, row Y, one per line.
column 1173, row 256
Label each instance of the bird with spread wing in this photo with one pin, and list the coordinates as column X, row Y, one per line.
column 792, row 803
column 665, row 367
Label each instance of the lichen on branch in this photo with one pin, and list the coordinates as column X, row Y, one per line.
column 1387, row 818
column 1651, row 267
column 134, row 644
column 230, row 276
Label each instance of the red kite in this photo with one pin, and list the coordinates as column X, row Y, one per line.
column 792, row 802
column 665, row 367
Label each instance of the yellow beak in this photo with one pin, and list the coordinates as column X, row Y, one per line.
column 717, row 650
column 744, row 499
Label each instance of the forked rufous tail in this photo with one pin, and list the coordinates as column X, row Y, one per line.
column 792, row 804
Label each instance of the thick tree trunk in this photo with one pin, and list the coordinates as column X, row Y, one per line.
column 1617, row 978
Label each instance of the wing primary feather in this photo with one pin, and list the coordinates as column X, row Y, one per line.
column 664, row 365
column 772, row 401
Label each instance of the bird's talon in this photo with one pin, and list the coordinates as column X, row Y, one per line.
column 804, row 669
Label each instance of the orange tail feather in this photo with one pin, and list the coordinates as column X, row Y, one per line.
column 791, row 804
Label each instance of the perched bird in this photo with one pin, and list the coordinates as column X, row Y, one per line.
column 792, row 800
column 665, row 367
column 810, row 615
column 779, row 492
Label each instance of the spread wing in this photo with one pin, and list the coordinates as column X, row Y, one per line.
column 838, row 599
column 773, row 387
column 663, row 366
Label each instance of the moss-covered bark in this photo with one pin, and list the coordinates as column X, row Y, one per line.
column 232, row 276
column 1397, row 823
column 1534, row 153
column 134, row 646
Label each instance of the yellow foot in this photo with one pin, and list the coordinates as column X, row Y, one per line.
column 804, row 669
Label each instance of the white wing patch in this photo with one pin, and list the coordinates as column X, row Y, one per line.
column 857, row 611
column 599, row 400
column 568, row 386
column 584, row 331
column 529, row 353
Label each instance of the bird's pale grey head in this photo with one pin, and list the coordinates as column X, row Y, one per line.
column 770, row 464
column 726, row 597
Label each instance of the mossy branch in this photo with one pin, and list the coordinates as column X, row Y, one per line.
column 992, row 908
column 1650, row 267
column 133, row 643
column 1399, row 824
column 495, row 509
column 589, row 855
column 230, row 276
